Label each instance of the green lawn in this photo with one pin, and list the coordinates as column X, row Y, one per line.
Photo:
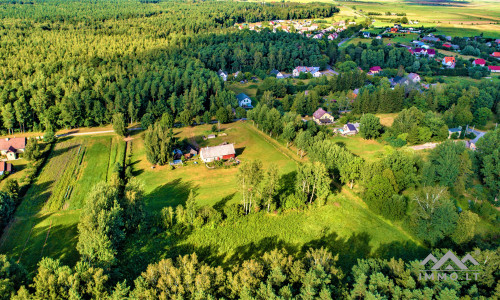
column 345, row 225
column 370, row 150
column 171, row 187
column 46, row 221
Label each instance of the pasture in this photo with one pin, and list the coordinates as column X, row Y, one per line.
column 45, row 223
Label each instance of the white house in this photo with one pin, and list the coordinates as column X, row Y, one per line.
column 223, row 75
column 209, row 154
column 414, row 77
column 317, row 74
column 244, row 101
column 280, row 75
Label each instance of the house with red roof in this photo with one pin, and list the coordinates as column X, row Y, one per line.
column 494, row 69
column 449, row 62
column 496, row 54
column 447, row 46
column 10, row 147
column 479, row 62
column 375, row 70
column 321, row 117
column 431, row 52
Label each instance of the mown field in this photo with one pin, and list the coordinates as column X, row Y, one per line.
column 45, row 223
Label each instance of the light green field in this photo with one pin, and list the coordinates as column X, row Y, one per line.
column 368, row 149
column 344, row 225
column 171, row 187
column 45, row 222
column 456, row 18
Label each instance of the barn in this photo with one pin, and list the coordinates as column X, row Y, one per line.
column 209, row 154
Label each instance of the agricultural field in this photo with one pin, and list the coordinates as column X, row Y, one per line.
column 45, row 222
column 454, row 18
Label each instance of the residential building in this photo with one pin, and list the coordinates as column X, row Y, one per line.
column 209, row 154
column 302, row 69
column 349, row 129
column 244, row 101
column 449, row 62
column 5, row 167
column 414, row 77
column 222, row 75
column 321, row 117
column 10, row 147
column 479, row 62
column 494, row 69
column 366, row 34
column 496, row 55
column 375, row 70
column 451, row 131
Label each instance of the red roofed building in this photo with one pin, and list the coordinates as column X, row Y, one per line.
column 494, row 69
column 431, row 52
column 375, row 69
column 11, row 147
column 479, row 62
column 5, row 167
column 496, row 54
column 447, row 45
column 449, row 61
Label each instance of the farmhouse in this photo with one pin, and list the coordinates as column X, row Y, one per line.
column 244, row 101
column 321, row 117
column 479, row 62
column 302, row 69
column 494, row 69
column 11, row 147
column 209, row 154
column 449, row 62
column 5, row 167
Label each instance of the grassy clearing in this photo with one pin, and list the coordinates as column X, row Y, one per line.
column 171, row 187
column 45, row 223
column 387, row 119
column 370, row 150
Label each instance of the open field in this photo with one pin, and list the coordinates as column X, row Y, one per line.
column 171, row 187
column 344, row 225
column 387, row 119
column 45, row 222
column 452, row 18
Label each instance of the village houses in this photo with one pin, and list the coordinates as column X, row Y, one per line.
column 10, row 147
column 321, row 117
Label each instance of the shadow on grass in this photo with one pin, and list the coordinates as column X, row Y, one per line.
column 170, row 194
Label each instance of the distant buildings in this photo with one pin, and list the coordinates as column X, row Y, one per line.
column 494, row 69
column 301, row 69
column 222, row 75
column 479, row 62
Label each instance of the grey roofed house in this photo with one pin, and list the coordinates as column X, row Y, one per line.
column 274, row 72
column 398, row 80
column 319, row 113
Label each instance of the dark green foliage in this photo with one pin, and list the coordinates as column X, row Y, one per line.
column 32, row 150
column 7, row 206
column 12, row 276
column 488, row 153
column 370, row 127
column 119, row 124
column 159, row 142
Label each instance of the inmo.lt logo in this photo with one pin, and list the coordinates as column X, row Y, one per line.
column 448, row 267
